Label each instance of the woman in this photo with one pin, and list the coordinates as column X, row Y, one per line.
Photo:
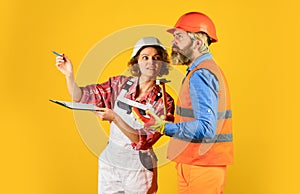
column 128, row 163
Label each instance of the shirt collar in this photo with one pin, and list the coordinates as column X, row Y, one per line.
column 199, row 60
column 132, row 90
column 149, row 96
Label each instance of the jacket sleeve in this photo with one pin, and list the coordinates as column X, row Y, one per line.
column 204, row 97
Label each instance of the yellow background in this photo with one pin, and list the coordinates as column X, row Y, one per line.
column 41, row 149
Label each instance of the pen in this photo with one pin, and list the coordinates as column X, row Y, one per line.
column 57, row 54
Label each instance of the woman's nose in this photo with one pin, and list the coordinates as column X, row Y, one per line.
column 151, row 60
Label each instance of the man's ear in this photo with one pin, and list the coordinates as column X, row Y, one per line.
column 197, row 44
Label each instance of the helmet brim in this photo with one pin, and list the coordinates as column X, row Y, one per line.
column 171, row 30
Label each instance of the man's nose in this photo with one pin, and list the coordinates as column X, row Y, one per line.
column 173, row 42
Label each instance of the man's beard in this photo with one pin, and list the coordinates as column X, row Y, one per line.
column 181, row 56
column 179, row 59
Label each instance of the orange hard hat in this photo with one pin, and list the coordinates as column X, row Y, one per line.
column 196, row 22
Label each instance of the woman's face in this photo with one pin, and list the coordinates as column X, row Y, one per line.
column 150, row 63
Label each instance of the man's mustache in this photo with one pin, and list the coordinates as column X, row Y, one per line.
column 175, row 47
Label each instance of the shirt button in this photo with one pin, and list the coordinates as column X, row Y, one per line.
column 208, row 110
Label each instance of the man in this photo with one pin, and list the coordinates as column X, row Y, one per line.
column 201, row 142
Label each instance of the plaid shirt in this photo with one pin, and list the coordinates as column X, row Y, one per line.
column 105, row 95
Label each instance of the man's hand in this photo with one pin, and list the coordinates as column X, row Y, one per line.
column 150, row 120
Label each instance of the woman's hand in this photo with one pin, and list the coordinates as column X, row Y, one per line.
column 106, row 114
column 64, row 65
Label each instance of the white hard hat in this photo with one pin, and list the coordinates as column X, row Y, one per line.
column 147, row 41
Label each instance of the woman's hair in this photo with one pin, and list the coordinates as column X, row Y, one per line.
column 133, row 66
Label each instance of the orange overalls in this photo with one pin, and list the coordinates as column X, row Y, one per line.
column 201, row 166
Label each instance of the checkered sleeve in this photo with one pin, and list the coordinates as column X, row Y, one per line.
column 102, row 95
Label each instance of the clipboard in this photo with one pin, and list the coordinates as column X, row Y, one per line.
column 75, row 105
